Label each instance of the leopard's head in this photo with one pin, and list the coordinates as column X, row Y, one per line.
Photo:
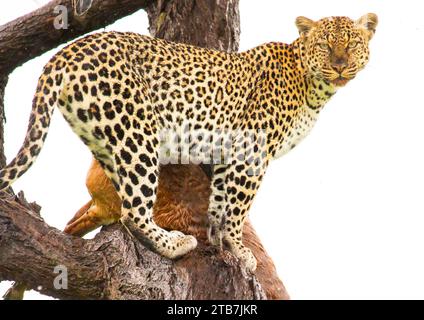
column 336, row 48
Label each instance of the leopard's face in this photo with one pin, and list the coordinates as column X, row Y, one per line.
column 336, row 48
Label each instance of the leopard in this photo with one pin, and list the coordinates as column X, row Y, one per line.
column 137, row 102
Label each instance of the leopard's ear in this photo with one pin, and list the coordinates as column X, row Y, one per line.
column 368, row 23
column 304, row 25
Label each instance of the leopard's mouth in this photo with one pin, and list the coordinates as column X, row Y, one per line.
column 340, row 81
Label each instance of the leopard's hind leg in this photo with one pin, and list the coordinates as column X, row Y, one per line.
column 137, row 166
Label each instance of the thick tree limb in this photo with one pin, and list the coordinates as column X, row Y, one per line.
column 112, row 265
column 33, row 34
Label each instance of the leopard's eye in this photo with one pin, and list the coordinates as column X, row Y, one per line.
column 352, row 44
column 323, row 46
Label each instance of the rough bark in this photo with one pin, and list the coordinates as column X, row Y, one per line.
column 97, row 268
column 112, row 265
column 33, row 34
column 211, row 24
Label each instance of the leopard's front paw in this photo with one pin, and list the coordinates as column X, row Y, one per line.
column 248, row 259
column 244, row 254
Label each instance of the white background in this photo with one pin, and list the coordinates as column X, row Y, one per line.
column 341, row 215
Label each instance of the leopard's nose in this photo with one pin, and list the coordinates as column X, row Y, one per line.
column 339, row 64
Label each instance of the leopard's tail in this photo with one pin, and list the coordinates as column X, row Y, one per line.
column 49, row 92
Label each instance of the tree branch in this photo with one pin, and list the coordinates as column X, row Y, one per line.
column 33, row 34
column 112, row 265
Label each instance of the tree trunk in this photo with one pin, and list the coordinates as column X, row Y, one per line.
column 210, row 24
column 96, row 268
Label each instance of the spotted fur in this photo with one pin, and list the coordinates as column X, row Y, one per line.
column 120, row 91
